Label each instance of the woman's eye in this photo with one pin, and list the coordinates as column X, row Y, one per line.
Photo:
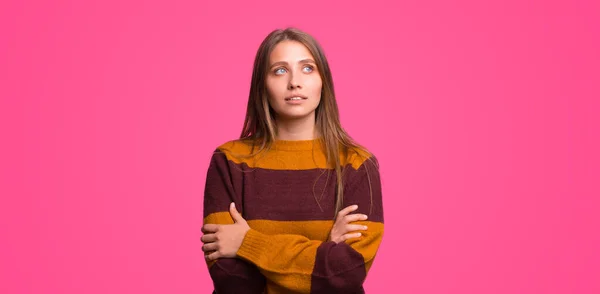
column 307, row 68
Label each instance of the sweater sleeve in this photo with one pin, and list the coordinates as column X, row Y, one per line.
column 229, row 275
column 297, row 264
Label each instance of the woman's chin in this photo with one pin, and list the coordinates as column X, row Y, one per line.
column 295, row 115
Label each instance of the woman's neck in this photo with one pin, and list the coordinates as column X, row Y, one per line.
column 297, row 129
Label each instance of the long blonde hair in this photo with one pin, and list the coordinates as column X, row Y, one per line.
column 260, row 125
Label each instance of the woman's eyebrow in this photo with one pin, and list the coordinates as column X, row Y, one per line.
column 307, row 60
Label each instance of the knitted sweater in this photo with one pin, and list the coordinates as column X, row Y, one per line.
column 287, row 195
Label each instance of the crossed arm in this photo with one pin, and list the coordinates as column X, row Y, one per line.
column 231, row 274
column 239, row 256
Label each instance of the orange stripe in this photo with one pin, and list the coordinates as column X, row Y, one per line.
column 368, row 243
column 318, row 230
column 312, row 229
column 287, row 160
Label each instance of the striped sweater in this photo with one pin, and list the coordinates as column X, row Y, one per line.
column 287, row 195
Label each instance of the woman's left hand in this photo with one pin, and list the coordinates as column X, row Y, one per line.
column 224, row 240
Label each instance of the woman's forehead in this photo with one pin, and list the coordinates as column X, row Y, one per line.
column 290, row 52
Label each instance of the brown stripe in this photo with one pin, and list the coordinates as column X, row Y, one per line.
column 222, row 185
column 338, row 269
column 233, row 275
column 363, row 188
column 274, row 288
column 290, row 194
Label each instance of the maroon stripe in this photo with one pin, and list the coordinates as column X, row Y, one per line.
column 232, row 275
column 289, row 195
column 363, row 188
column 338, row 269
column 222, row 186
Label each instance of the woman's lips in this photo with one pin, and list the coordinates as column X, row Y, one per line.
column 294, row 100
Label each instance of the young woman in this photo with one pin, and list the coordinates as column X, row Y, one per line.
column 294, row 205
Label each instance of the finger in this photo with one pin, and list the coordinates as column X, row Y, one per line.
column 350, row 236
column 353, row 228
column 208, row 238
column 355, row 217
column 212, row 256
column 346, row 210
column 237, row 217
column 209, row 247
column 210, row 228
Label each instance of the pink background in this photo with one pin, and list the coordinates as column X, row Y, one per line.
column 485, row 118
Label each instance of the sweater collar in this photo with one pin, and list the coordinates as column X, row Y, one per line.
column 296, row 145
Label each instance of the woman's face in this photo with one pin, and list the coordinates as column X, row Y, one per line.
column 293, row 81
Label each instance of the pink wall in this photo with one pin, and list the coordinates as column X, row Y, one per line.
column 484, row 118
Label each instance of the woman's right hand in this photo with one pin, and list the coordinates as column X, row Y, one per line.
column 343, row 229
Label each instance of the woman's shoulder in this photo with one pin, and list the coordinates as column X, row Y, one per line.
column 234, row 149
column 358, row 156
column 234, row 145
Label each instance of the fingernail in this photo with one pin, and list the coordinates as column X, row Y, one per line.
column 358, row 234
column 365, row 216
column 364, row 227
column 355, row 206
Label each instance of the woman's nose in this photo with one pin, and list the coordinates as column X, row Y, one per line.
column 294, row 83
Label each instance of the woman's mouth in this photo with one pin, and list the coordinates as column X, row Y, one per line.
column 297, row 98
